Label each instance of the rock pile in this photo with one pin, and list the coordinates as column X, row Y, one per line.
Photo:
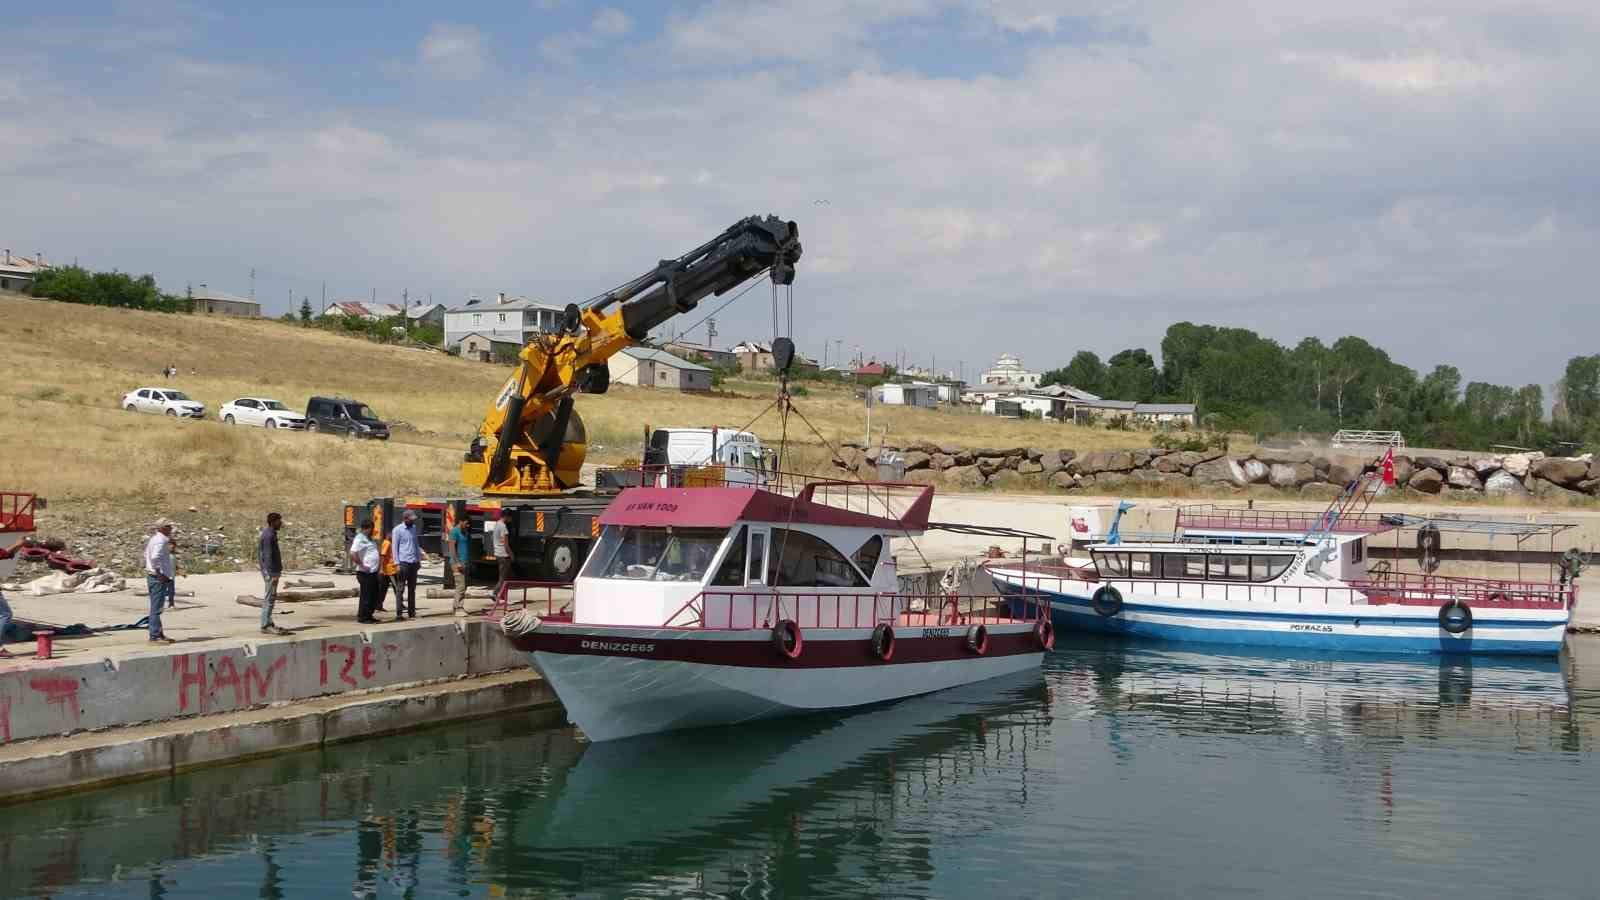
column 1309, row 473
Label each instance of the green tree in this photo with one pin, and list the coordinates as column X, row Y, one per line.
column 1131, row 375
column 305, row 309
column 1579, row 392
column 1086, row 373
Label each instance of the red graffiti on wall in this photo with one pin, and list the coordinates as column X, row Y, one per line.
column 249, row 687
column 367, row 655
column 61, row 693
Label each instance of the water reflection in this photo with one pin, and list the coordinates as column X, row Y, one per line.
column 1239, row 766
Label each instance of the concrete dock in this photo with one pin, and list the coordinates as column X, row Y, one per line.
column 112, row 706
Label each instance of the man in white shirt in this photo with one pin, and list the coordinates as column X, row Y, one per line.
column 364, row 556
column 500, row 545
column 160, row 574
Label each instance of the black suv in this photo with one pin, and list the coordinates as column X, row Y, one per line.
column 335, row 415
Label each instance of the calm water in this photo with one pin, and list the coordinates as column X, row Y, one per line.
column 1124, row 770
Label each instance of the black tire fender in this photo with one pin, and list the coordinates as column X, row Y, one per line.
column 787, row 638
column 883, row 642
column 1107, row 601
column 1455, row 617
column 978, row 639
column 1044, row 633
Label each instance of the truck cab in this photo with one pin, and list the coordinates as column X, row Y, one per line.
column 741, row 456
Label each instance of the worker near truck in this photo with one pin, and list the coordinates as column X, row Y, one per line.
column 160, row 576
column 459, row 547
column 500, row 546
column 408, row 559
column 271, row 559
column 387, row 570
column 364, row 556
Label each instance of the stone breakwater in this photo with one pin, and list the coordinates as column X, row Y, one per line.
column 1310, row 473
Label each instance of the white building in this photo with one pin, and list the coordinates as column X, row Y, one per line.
column 501, row 319
column 917, row 393
column 16, row 273
column 647, row 367
column 1008, row 372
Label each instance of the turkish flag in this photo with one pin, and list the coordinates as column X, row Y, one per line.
column 1388, row 467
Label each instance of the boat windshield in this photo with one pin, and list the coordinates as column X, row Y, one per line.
column 654, row 554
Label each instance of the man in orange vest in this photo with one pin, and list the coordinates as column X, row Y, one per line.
column 386, row 573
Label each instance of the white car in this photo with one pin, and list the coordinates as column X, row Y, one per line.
column 163, row 400
column 262, row 411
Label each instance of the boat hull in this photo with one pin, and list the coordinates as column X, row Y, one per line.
column 1382, row 628
column 621, row 682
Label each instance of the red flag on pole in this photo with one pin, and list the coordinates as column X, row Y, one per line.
column 1388, row 467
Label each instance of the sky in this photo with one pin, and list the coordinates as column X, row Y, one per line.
column 969, row 176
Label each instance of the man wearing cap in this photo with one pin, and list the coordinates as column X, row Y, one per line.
column 159, row 575
column 408, row 557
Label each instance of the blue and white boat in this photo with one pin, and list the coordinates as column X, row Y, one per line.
column 1296, row 579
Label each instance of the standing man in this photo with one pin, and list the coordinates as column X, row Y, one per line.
column 500, row 544
column 364, row 556
column 408, row 557
column 459, row 547
column 271, row 571
column 5, row 622
column 160, row 575
column 387, row 571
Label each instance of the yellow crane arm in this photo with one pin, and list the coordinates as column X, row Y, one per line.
column 531, row 441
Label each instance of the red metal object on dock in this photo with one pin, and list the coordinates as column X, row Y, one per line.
column 16, row 511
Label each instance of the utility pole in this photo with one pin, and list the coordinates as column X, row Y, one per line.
column 324, row 296
column 711, row 332
column 252, row 284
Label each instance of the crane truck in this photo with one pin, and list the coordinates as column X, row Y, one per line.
column 527, row 456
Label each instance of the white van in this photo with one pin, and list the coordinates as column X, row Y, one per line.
column 744, row 458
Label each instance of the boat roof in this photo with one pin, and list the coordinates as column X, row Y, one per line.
column 1181, row 547
column 815, row 504
column 1211, row 519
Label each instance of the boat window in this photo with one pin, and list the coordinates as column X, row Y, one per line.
column 1268, row 568
column 656, row 554
column 1228, row 568
column 805, row 560
column 731, row 572
column 867, row 556
column 1111, row 565
column 1139, row 565
column 758, row 558
column 1183, row 566
column 1358, row 551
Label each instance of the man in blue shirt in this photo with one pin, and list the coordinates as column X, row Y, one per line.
column 408, row 559
column 460, row 546
column 5, row 622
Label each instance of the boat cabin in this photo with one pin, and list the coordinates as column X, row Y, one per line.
column 716, row 556
column 1238, row 560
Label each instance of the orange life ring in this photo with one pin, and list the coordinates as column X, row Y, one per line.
column 787, row 639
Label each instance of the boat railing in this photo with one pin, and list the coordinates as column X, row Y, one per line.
column 741, row 610
column 538, row 596
column 1294, row 521
column 1391, row 588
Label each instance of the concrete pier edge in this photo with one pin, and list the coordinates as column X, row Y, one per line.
column 39, row 769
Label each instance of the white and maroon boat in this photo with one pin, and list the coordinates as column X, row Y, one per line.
column 717, row 605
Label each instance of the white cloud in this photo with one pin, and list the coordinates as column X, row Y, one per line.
column 452, row 51
column 611, row 22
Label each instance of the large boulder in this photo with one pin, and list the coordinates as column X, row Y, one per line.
column 1344, row 468
column 1254, row 471
column 1432, row 462
column 1590, row 486
column 1010, row 480
column 1504, row 484
column 941, row 461
column 871, row 454
column 921, row 476
column 1317, row 491
column 916, row 459
column 927, row 447
column 1171, row 464
column 1402, row 470
column 1483, row 465
column 1463, row 478
column 991, row 464
column 1066, row 456
column 1561, row 470
column 1034, row 454
column 1290, row 475
column 1185, row 461
column 1520, row 464
column 1549, row 492
column 1219, row 471
column 1427, row 480
column 1098, row 461
column 1050, row 463
column 963, row 457
column 964, row 477
column 950, row 449
column 848, row 458
column 1143, row 458
column 1064, row 480
column 1030, row 467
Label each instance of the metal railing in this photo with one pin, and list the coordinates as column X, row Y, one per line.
column 526, row 595
column 1396, row 589
column 1290, row 521
column 16, row 511
column 1351, row 437
column 742, row 610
